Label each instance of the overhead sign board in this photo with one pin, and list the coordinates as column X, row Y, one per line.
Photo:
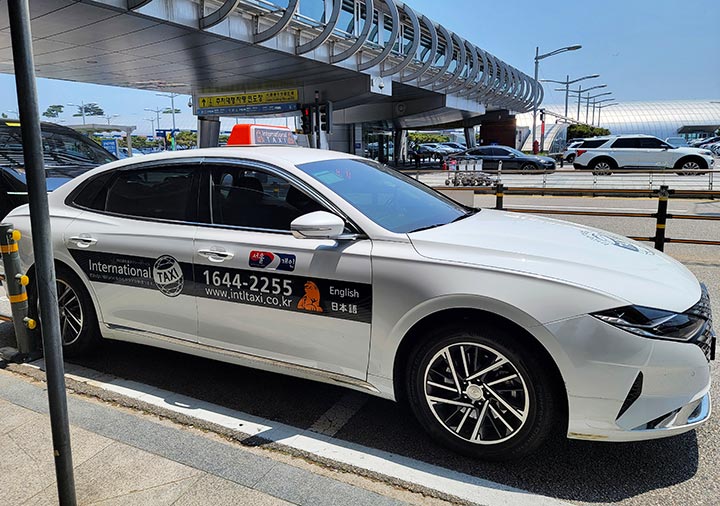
column 259, row 102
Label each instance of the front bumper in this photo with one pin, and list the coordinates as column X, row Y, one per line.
column 623, row 387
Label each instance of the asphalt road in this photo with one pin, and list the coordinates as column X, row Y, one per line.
column 681, row 470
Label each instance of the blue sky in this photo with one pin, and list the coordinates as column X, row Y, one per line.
column 643, row 49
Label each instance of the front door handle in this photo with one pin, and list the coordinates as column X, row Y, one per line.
column 216, row 255
column 83, row 241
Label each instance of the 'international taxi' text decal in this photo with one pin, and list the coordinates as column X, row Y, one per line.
column 273, row 289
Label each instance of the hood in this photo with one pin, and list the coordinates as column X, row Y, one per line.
column 582, row 256
column 693, row 151
column 543, row 159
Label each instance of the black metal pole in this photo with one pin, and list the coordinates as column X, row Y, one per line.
column 661, row 218
column 316, row 112
column 21, row 39
column 499, row 195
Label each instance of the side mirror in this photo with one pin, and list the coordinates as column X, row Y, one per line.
column 512, row 155
column 318, row 225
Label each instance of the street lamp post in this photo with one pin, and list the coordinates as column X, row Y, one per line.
column 567, row 82
column 601, row 107
column 580, row 91
column 82, row 109
column 157, row 113
column 152, row 125
column 171, row 96
column 539, row 57
column 109, row 117
column 588, row 98
column 595, row 103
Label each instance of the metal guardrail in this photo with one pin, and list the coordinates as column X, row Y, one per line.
column 563, row 181
column 661, row 216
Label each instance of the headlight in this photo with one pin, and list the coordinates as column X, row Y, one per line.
column 655, row 323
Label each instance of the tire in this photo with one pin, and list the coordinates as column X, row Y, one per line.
column 528, row 167
column 78, row 322
column 603, row 166
column 571, row 158
column 690, row 163
column 488, row 428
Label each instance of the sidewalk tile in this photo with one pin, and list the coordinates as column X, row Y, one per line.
column 15, row 464
column 120, row 469
column 219, row 492
column 13, row 416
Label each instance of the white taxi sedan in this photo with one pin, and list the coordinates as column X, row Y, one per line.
column 497, row 328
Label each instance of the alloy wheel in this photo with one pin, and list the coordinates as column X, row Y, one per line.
column 476, row 393
column 71, row 313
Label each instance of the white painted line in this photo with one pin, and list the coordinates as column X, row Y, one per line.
column 339, row 414
column 464, row 486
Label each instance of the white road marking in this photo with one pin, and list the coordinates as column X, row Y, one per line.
column 339, row 414
column 464, row 486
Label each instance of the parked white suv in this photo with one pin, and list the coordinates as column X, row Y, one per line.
column 643, row 152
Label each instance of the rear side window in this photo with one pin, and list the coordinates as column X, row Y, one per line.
column 164, row 193
column 629, row 142
column 592, row 143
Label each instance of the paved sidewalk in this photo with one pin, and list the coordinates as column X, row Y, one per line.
column 122, row 458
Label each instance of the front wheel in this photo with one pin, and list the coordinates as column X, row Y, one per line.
column 691, row 166
column 528, row 167
column 78, row 322
column 482, row 393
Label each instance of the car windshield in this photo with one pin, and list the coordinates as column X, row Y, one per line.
column 390, row 199
column 59, row 149
column 514, row 151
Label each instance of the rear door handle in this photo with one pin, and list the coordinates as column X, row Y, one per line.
column 216, row 255
column 82, row 241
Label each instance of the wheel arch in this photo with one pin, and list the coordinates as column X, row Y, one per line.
column 78, row 274
column 600, row 157
column 415, row 336
column 701, row 161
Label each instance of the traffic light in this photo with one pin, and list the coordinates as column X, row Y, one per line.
column 326, row 111
column 306, row 120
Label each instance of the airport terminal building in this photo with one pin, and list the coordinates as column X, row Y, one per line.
column 685, row 118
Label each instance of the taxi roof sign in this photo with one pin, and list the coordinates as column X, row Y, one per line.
column 261, row 135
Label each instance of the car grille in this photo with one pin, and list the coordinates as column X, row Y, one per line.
column 705, row 339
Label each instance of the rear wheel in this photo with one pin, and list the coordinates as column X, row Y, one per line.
column 603, row 167
column 78, row 322
column 481, row 393
column 571, row 158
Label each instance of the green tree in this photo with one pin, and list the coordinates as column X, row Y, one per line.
column 91, row 109
column 169, row 110
column 422, row 137
column 185, row 139
column 582, row 131
column 53, row 111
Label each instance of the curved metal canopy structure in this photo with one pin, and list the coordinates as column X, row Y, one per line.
column 383, row 37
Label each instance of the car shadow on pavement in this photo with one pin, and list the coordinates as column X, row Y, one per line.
column 570, row 470
column 562, row 468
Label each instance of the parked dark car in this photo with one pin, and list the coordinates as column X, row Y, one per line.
column 66, row 154
column 511, row 158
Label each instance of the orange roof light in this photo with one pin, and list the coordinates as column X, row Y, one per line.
column 254, row 135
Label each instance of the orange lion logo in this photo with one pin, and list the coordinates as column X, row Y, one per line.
column 311, row 299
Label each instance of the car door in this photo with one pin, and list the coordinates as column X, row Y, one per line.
column 509, row 160
column 653, row 153
column 264, row 293
column 134, row 243
column 626, row 152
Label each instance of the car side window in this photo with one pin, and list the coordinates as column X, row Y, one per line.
column 650, row 143
column 627, row 142
column 590, row 144
column 252, row 198
column 159, row 193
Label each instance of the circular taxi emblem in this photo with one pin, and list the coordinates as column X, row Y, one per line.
column 168, row 276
